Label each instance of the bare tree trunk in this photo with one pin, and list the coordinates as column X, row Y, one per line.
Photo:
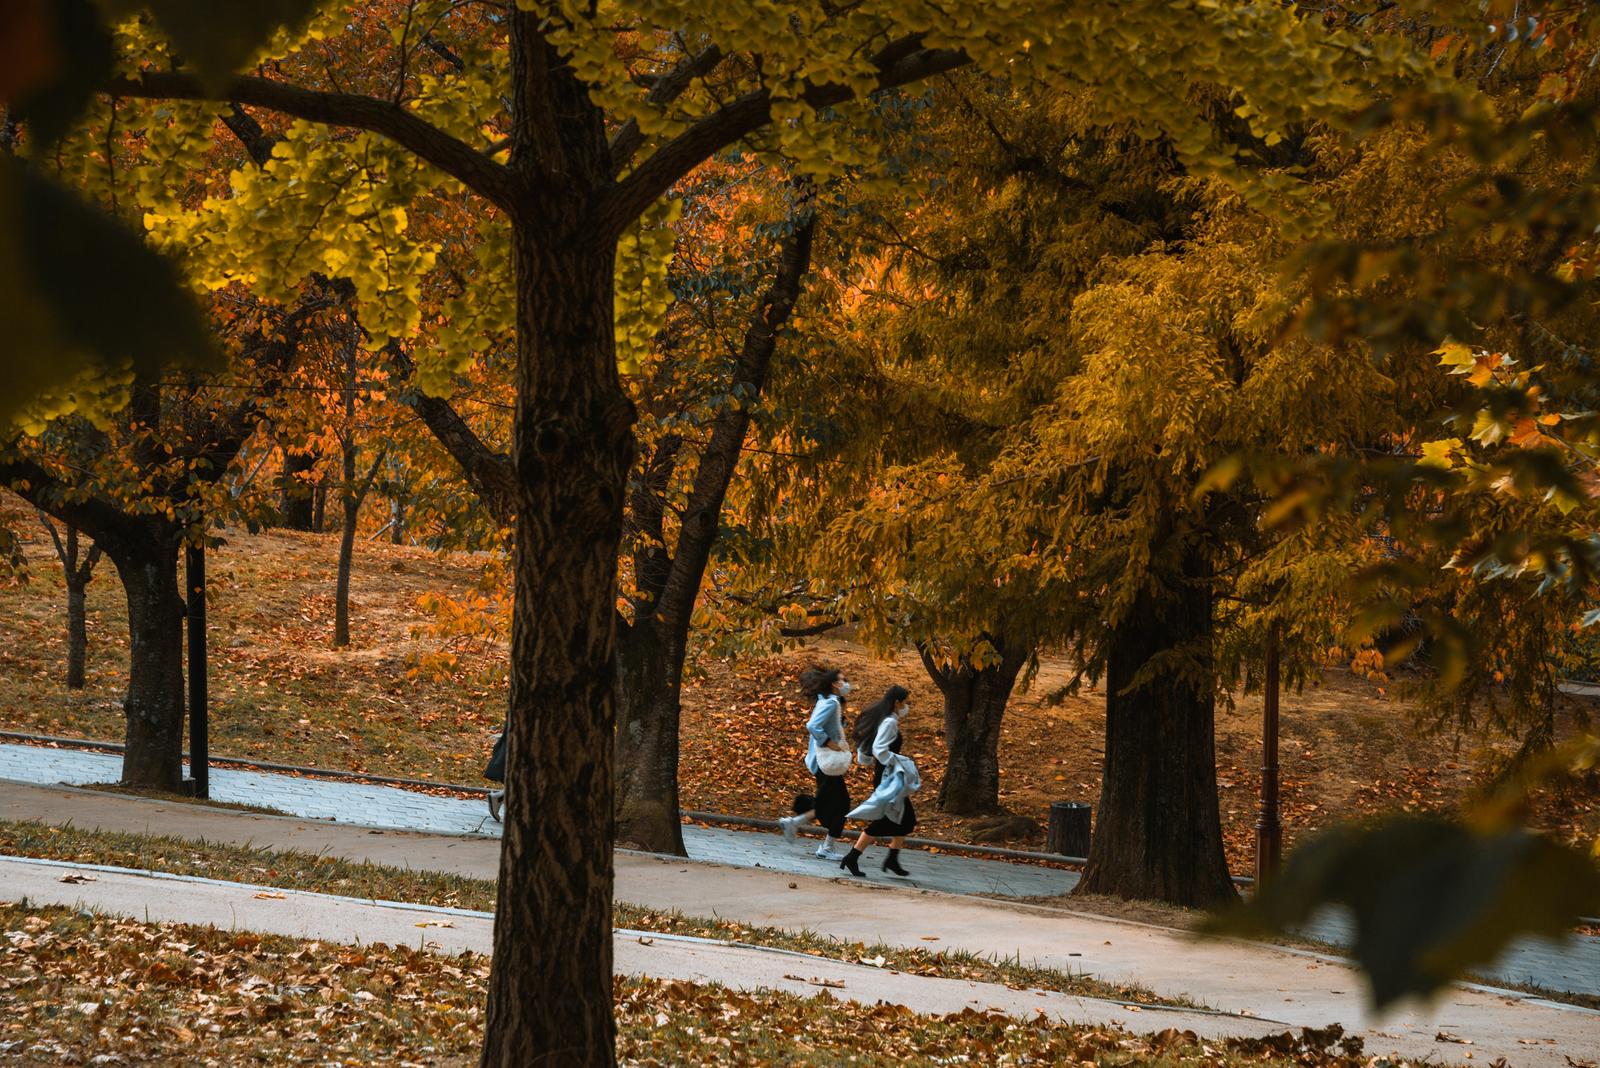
column 77, row 637
column 650, row 669
column 351, row 494
column 77, row 570
column 296, row 494
column 148, row 564
column 341, row 593
column 974, row 707
column 550, row 988
column 654, row 647
column 1158, row 835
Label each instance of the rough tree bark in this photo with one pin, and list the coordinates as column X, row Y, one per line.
column 77, row 568
column 572, row 448
column 572, row 417
column 1158, row 834
column 655, row 644
column 146, row 556
column 974, row 707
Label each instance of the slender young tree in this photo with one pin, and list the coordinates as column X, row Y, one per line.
column 353, row 487
column 77, row 568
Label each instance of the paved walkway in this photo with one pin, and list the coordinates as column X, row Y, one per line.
column 1572, row 966
column 1252, row 989
column 1290, row 987
column 327, row 917
column 393, row 808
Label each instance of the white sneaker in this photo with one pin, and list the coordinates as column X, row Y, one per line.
column 829, row 849
column 496, row 797
column 788, row 825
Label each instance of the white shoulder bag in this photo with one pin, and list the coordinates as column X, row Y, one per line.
column 833, row 762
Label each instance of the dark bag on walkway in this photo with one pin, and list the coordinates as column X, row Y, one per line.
column 496, row 769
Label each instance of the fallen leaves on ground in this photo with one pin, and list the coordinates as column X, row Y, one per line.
column 142, row 993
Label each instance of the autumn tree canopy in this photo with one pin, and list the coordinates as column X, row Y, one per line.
column 1159, row 330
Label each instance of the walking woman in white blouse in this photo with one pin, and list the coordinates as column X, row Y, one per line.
column 827, row 758
column 877, row 738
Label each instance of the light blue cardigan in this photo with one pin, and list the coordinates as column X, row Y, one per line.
column 825, row 725
column 900, row 781
column 900, row 776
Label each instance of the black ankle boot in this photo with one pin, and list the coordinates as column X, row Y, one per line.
column 892, row 863
column 852, row 863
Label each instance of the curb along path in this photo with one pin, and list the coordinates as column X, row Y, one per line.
column 392, row 808
column 1527, row 1035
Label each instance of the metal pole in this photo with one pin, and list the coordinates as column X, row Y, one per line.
column 1269, row 830
column 199, row 725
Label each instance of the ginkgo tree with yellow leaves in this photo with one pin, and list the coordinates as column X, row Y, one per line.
column 1057, row 347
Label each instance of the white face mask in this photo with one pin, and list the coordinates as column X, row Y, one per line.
column 844, row 688
column 904, row 709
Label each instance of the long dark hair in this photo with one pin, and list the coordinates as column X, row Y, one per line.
column 818, row 681
column 874, row 714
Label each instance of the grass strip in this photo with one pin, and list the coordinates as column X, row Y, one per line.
column 320, row 873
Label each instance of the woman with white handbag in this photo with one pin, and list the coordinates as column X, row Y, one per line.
column 827, row 758
column 895, row 779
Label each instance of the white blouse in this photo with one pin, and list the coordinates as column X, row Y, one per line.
column 881, row 751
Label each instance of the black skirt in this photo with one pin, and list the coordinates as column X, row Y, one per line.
column 833, row 801
column 883, row 826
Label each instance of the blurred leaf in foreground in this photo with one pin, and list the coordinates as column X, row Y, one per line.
column 78, row 287
column 1430, row 898
column 216, row 39
column 56, row 54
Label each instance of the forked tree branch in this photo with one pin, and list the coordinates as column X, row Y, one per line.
column 456, row 158
column 94, row 514
column 668, row 88
column 899, row 63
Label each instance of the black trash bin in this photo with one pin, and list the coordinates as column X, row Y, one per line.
column 1069, row 828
